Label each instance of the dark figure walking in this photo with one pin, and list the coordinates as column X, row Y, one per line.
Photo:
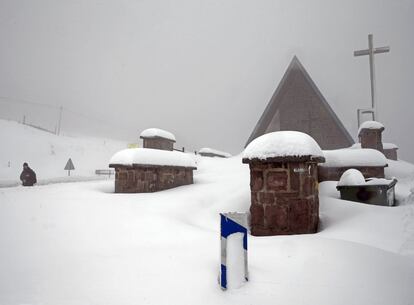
column 28, row 176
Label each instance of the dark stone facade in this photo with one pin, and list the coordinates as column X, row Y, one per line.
column 334, row 173
column 297, row 104
column 391, row 153
column 158, row 143
column 284, row 197
column 371, row 138
column 147, row 179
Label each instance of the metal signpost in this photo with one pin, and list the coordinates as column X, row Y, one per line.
column 231, row 223
column 371, row 51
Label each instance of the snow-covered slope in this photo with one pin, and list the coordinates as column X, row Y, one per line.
column 47, row 153
column 79, row 243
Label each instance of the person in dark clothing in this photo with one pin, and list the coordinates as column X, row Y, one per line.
column 28, row 176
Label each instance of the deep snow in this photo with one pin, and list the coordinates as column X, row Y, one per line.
column 79, row 243
column 47, row 154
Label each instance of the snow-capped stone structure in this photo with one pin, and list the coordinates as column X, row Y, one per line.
column 390, row 151
column 209, row 152
column 143, row 170
column 158, row 139
column 283, row 183
column 370, row 136
column 354, row 187
column 369, row 162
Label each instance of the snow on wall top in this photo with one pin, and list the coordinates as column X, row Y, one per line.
column 370, row 125
column 384, row 145
column 354, row 157
column 351, row 177
column 208, row 150
column 282, row 144
column 156, row 132
column 147, row 156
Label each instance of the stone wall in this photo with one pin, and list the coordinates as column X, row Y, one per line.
column 158, row 143
column 284, row 198
column 147, row 179
column 335, row 173
column 371, row 138
column 391, row 153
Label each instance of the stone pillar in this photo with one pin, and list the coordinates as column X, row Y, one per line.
column 284, row 195
column 371, row 138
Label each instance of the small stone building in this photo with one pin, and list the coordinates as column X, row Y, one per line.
column 142, row 170
column 390, row 151
column 283, row 183
column 156, row 138
column 370, row 162
column 209, row 152
column 370, row 136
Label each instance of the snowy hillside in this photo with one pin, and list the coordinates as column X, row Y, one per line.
column 80, row 243
column 47, row 153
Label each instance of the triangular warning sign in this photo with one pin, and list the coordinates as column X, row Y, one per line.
column 69, row 165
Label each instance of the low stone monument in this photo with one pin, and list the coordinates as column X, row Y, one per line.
column 370, row 135
column 354, row 187
column 142, row 170
column 370, row 162
column 158, row 139
column 283, row 183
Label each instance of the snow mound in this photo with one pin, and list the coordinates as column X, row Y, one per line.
column 208, row 150
column 384, row 145
column 354, row 157
column 351, row 177
column 378, row 181
column 282, row 144
column 147, row 156
column 156, row 132
column 370, row 125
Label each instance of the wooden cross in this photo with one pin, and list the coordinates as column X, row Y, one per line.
column 371, row 51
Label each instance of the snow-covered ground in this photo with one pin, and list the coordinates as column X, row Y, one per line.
column 47, row 154
column 80, row 243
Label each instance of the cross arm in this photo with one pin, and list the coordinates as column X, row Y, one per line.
column 375, row 51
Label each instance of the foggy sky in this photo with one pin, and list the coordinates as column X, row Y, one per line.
column 204, row 70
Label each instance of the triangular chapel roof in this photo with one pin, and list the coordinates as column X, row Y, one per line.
column 280, row 97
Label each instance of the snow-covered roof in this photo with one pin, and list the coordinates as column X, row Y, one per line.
column 146, row 156
column 282, row 144
column 157, row 133
column 384, row 145
column 354, row 157
column 207, row 150
column 370, row 125
column 351, row 177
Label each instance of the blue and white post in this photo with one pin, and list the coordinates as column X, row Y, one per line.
column 233, row 223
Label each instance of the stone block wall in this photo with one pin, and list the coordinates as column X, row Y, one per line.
column 158, row 143
column 371, row 138
column 391, row 153
column 145, row 179
column 335, row 173
column 284, row 198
